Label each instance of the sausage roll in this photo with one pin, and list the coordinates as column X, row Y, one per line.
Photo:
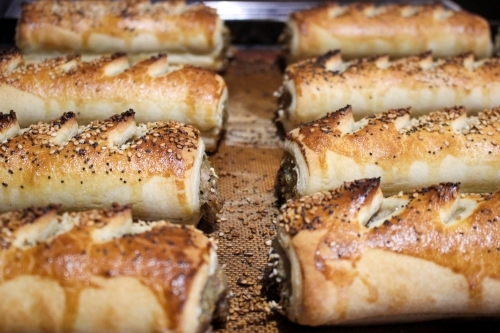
column 190, row 34
column 109, row 85
column 315, row 87
column 160, row 168
column 351, row 256
column 406, row 153
column 364, row 29
column 97, row 271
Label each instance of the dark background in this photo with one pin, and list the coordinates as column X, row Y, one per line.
column 251, row 32
column 487, row 9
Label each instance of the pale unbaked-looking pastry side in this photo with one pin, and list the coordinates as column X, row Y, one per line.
column 99, row 88
column 190, row 34
column 314, row 87
column 444, row 146
column 365, row 29
column 97, row 271
column 160, row 168
column 351, row 256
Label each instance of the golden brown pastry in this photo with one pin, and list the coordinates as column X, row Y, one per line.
column 108, row 85
column 315, row 87
column 97, row 271
column 364, row 29
column 444, row 146
column 351, row 256
column 190, row 34
column 160, row 168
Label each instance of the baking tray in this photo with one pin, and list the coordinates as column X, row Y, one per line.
column 247, row 162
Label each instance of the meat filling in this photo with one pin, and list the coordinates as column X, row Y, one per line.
column 210, row 198
column 214, row 303
column 287, row 178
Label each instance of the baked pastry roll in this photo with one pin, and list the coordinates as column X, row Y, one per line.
column 405, row 152
column 160, row 168
column 349, row 255
column 190, row 34
column 108, row 85
column 97, row 271
column 365, row 29
column 315, row 87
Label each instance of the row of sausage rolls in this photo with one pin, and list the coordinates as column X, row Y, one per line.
column 95, row 270
column 344, row 253
column 347, row 255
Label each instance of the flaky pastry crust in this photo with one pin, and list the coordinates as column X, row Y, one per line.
column 190, row 34
column 160, row 168
column 365, row 29
column 105, row 86
column 314, row 87
column 97, row 271
column 355, row 257
column 444, row 146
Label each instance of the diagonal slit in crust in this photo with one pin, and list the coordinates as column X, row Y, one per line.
column 10, row 60
column 9, row 126
column 388, row 209
column 116, row 131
